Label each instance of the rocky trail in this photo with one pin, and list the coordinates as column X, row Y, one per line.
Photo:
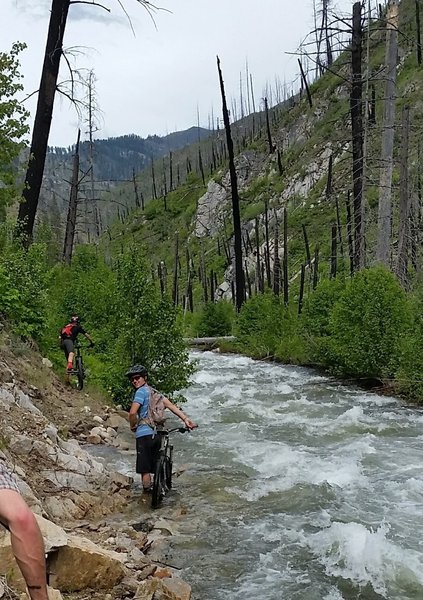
column 95, row 548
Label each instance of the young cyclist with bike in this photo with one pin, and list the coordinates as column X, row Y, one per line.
column 67, row 337
column 147, row 442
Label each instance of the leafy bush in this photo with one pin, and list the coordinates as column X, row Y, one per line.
column 215, row 319
column 23, row 299
column 410, row 371
column 316, row 318
column 368, row 325
column 261, row 324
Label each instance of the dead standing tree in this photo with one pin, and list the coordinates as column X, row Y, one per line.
column 73, row 203
column 239, row 272
column 44, row 111
column 356, row 108
column 383, row 251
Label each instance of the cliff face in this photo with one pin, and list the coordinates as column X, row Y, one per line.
column 43, row 428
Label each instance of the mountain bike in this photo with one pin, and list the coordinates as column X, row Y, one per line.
column 79, row 370
column 162, row 482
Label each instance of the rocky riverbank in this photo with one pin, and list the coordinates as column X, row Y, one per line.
column 93, row 550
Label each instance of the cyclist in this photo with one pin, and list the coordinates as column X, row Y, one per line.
column 68, row 335
column 25, row 536
column 147, row 442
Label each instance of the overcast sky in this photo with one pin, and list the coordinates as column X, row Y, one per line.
column 153, row 80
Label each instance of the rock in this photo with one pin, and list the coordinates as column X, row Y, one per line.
column 54, row 594
column 111, row 432
column 164, row 525
column 117, row 422
column 6, row 398
column 50, row 431
column 68, row 480
column 176, row 589
column 98, row 419
column 94, row 439
column 53, row 535
column 162, row 573
column 47, row 363
column 146, row 589
column 82, row 564
column 25, row 403
column 146, row 572
column 130, row 583
column 171, row 588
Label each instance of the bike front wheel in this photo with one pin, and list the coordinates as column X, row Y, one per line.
column 79, row 373
column 158, row 484
column 168, row 469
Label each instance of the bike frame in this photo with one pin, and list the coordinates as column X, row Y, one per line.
column 163, row 473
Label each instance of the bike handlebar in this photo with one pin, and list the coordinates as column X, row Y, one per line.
column 168, row 431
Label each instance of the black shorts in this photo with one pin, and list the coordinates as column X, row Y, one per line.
column 148, row 447
column 67, row 346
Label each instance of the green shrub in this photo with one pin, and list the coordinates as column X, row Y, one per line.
column 315, row 319
column 410, row 371
column 215, row 319
column 368, row 325
column 260, row 325
column 23, row 281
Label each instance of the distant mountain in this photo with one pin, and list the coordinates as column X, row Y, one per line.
column 116, row 158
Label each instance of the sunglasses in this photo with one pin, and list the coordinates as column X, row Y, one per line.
column 135, row 378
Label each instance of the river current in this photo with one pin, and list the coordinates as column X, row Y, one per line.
column 296, row 487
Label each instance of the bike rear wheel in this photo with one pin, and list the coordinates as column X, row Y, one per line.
column 80, row 373
column 158, row 484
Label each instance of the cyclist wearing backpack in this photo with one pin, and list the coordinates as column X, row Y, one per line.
column 145, row 414
column 68, row 335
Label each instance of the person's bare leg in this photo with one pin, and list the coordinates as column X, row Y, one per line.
column 27, row 542
column 70, row 359
column 146, row 480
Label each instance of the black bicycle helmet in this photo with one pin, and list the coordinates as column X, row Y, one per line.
column 137, row 370
column 75, row 319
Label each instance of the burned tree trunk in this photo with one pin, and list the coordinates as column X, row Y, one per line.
column 285, row 258
column 333, row 254
column 276, row 263
column 357, row 136
column 239, row 272
column 383, row 251
column 43, row 117
column 405, row 201
column 269, row 133
column 137, row 198
column 418, row 33
column 267, row 253
column 304, row 80
column 73, row 203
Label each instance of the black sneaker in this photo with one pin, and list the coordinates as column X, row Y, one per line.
column 147, row 490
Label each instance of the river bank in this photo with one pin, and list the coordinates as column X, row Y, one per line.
column 101, row 536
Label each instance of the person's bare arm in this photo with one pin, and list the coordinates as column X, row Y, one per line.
column 178, row 412
column 89, row 338
column 133, row 415
column 27, row 542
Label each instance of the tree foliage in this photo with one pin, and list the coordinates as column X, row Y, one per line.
column 13, row 126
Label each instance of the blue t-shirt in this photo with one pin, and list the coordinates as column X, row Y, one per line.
column 142, row 397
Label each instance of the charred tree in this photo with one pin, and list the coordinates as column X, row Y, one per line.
column 383, row 250
column 73, row 203
column 405, row 201
column 269, row 133
column 239, row 273
column 43, row 117
column 356, row 100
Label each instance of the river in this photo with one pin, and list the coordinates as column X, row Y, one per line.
column 297, row 487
